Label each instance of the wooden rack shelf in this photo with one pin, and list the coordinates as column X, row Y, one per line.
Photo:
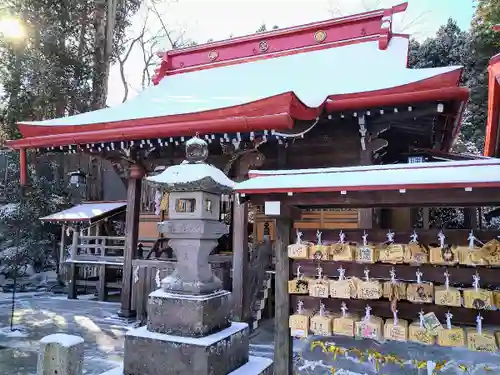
column 460, row 274
column 406, row 310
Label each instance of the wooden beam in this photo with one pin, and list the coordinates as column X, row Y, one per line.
column 426, row 237
column 369, row 199
column 131, row 234
column 283, row 343
column 240, row 261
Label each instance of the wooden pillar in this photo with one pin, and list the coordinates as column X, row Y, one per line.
column 426, row 218
column 365, row 158
column 62, row 249
column 72, row 292
column 74, row 244
column 240, row 262
column 401, row 219
column 131, row 234
column 470, row 218
column 283, row 343
column 101, row 287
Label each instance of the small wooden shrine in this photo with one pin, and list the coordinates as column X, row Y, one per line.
column 353, row 102
column 415, row 285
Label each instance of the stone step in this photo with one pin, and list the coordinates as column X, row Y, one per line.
column 254, row 366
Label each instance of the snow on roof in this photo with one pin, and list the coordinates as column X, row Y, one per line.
column 455, row 174
column 90, row 211
column 313, row 77
column 187, row 172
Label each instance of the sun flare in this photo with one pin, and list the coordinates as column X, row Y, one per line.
column 11, row 28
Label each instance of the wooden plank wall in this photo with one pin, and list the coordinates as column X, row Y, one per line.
column 311, row 219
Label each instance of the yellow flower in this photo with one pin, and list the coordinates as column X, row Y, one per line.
column 319, row 344
column 463, row 368
column 488, row 369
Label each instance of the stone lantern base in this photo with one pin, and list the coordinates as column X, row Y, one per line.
column 191, row 335
column 189, row 316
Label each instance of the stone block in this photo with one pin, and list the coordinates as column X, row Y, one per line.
column 188, row 315
column 60, row 354
column 151, row 353
column 255, row 366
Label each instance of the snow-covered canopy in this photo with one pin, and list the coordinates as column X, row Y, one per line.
column 87, row 212
column 455, row 174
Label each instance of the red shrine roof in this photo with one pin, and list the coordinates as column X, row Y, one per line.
column 492, row 138
column 434, row 175
column 262, row 82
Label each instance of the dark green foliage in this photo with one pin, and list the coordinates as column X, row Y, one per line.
column 44, row 196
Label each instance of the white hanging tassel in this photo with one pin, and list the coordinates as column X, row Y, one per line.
column 157, row 202
column 479, row 321
column 157, row 279
column 421, row 318
column 136, row 275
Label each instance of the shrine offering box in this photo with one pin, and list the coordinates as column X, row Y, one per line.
column 420, row 293
column 478, row 299
column 420, row 334
column 416, row 253
column 447, row 296
column 391, row 253
column 483, row 342
column 342, row 252
column 451, row 337
column 299, row 323
column 396, row 331
column 371, row 328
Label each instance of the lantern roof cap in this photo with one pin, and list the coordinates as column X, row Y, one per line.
column 193, row 174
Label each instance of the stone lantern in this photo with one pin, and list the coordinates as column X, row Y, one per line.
column 188, row 328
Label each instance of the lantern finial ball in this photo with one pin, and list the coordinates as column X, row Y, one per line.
column 196, row 150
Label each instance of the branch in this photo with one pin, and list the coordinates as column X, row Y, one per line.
column 123, row 60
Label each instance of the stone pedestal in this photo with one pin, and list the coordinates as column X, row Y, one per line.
column 149, row 353
column 188, row 315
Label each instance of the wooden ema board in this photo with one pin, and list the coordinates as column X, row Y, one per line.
column 311, row 219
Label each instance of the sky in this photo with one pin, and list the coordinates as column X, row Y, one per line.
column 201, row 20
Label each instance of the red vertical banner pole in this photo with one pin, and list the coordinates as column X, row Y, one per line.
column 23, row 168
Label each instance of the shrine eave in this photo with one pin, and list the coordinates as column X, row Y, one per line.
column 492, row 136
column 257, row 96
column 398, row 177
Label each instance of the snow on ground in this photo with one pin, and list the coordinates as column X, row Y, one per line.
column 16, row 331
